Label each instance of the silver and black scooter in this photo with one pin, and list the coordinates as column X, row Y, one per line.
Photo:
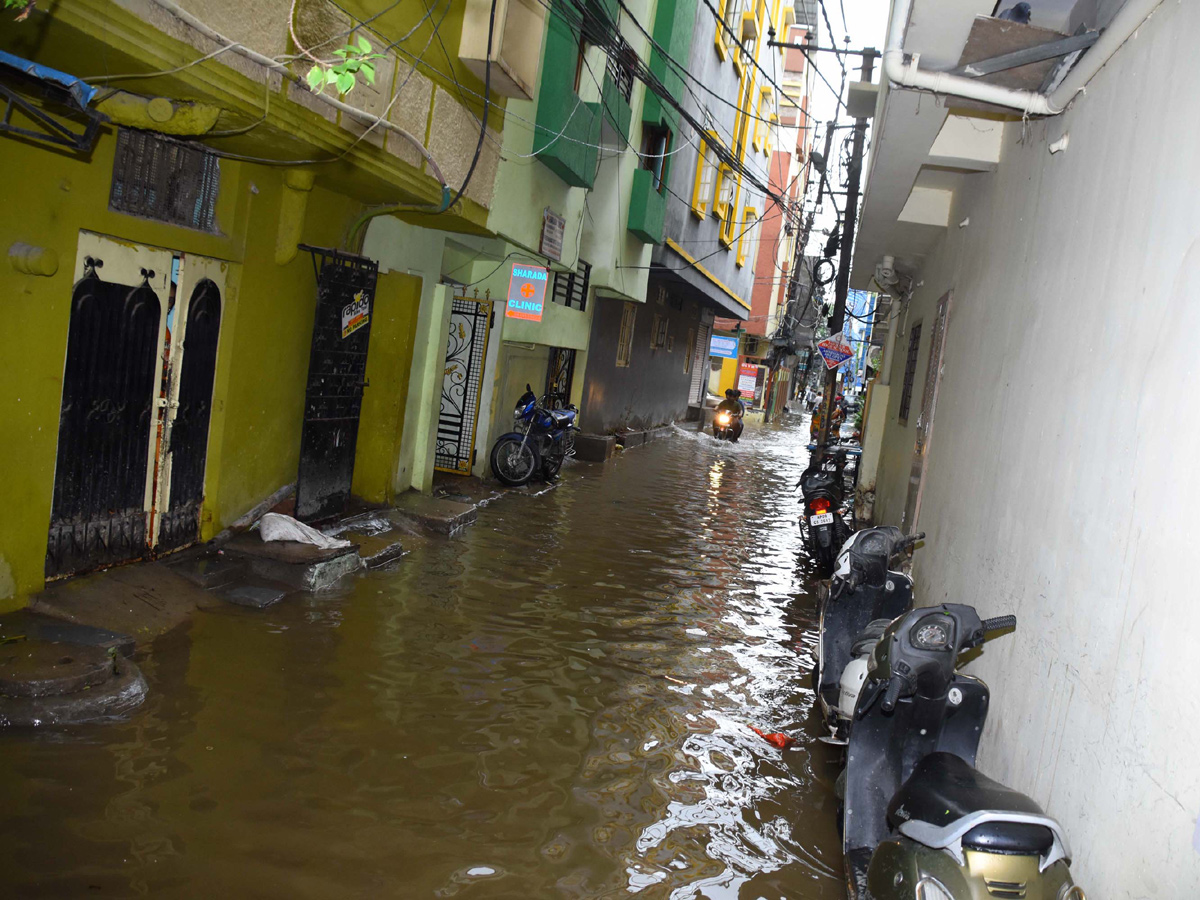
column 920, row 822
column 865, row 595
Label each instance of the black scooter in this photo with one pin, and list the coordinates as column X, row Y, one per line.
column 864, row 596
column 822, row 486
column 920, row 821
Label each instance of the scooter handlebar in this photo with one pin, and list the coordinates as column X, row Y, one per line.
column 999, row 623
column 904, row 543
column 892, row 694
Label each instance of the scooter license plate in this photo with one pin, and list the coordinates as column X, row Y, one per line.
column 821, row 519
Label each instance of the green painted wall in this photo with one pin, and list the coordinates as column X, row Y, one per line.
column 559, row 109
column 647, row 208
column 422, row 253
column 389, row 365
column 50, row 197
column 674, row 21
column 262, row 357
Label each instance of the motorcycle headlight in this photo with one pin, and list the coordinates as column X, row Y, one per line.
column 929, row 888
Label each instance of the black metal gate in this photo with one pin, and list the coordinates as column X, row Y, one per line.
column 180, row 524
column 559, row 375
column 98, row 515
column 336, row 378
column 462, row 379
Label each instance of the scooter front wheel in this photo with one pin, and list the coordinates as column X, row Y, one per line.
column 514, row 460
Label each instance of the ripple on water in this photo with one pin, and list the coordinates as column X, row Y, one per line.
column 555, row 703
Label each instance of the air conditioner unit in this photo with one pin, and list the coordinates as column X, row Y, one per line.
column 516, row 44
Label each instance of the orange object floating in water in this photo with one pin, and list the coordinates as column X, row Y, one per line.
column 776, row 738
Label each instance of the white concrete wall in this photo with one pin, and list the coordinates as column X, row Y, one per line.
column 1063, row 484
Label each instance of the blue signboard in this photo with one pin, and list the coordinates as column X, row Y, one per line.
column 726, row 347
column 527, row 292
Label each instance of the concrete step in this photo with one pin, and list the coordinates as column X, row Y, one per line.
column 211, row 569
column 142, row 600
column 294, row 564
column 637, row 437
column 434, row 513
column 254, row 596
column 377, row 550
column 594, row 447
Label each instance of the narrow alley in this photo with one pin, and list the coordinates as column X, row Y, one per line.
column 555, row 702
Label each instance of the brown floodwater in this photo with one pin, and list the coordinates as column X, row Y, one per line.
column 554, row 703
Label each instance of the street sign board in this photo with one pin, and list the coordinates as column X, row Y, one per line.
column 725, row 347
column 835, row 350
column 527, row 292
column 747, row 381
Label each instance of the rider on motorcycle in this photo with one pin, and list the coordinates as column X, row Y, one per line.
column 732, row 405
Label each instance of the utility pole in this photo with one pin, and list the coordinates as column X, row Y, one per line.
column 793, row 301
column 838, row 320
column 802, row 242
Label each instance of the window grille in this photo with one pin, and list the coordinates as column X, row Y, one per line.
column 560, row 375
column 658, row 334
column 910, row 371
column 570, row 288
column 620, row 71
column 656, row 144
column 625, row 340
column 164, row 180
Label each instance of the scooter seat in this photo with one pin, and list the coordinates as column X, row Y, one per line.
column 1026, row 838
column 943, row 789
column 562, row 417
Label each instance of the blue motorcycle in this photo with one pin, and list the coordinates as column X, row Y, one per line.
column 545, row 436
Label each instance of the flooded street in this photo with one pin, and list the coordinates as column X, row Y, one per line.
column 554, row 703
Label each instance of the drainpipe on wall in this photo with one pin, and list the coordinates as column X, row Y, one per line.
column 889, row 348
column 909, row 74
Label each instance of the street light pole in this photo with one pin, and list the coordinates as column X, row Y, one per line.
column 838, row 320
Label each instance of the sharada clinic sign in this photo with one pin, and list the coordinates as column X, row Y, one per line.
column 527, row 292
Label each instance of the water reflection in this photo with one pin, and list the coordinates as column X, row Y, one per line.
column 554, row 704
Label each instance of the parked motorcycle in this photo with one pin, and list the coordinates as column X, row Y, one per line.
column 919, row 820
column 543, row 439
column 865, row 595
column 822, row 487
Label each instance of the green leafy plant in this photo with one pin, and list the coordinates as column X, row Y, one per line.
column 25, row 6
column 353, row 60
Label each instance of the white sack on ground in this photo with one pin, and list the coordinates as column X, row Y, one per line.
column 278, row 527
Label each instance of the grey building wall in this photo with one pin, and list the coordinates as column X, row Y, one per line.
column 1062, row 484
column 653, row 388
column 699, row 237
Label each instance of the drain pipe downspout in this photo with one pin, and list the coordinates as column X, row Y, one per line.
column 909, row 74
